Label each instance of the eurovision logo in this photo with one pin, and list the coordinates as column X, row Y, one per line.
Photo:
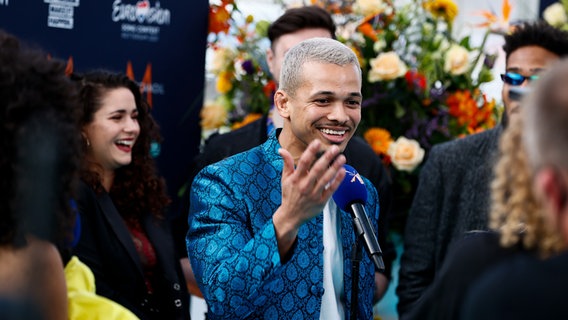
column 140, row 21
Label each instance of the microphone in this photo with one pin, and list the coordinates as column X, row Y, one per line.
column 351, row 196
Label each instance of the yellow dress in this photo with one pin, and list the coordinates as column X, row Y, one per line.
column 83, row 302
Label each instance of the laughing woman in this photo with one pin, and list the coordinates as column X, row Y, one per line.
column 122, row 200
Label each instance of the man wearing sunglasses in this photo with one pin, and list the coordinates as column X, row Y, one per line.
column 453, row 193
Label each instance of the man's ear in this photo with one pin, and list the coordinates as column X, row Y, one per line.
column 551, row 188
column 282, row 103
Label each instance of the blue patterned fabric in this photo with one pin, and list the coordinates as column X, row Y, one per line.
column 233, row 250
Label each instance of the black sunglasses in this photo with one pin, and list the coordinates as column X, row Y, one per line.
column 516, row 79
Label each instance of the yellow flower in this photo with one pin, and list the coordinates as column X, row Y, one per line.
column 457, row 60
column 379, row 139
column 386, row 66
column 213, row 116
column 406, row 154
column 445, row 9
column 224, row 83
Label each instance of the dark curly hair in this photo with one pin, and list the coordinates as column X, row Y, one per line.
column 539, row 34
column 137, row 188
column 301, row 18
column 39, row 145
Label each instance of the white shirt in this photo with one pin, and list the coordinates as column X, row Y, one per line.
column 332, row 305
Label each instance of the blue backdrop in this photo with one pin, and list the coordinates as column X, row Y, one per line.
column 162, row 42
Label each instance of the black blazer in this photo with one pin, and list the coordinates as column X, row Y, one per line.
column 106, row 246
column 452, row 198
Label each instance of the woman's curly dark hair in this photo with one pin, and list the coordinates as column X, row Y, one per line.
column 137, row 188
column 39, row 145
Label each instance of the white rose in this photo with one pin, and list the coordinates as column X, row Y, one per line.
column 369, row 7
column 386, row 66
column 406, row 154
column 457, row 60
column 555, row 15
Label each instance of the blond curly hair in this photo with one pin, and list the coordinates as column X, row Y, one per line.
column 515, row 212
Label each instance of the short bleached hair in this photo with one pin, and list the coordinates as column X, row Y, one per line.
column 321, row 50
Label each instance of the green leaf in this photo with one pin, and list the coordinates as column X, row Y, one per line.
column 465, row 43
column 485, row 75
column 565, row 5
column 399, row 111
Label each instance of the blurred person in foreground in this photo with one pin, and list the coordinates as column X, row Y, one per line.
column 259, row 220
column 453, row 195
column 294, row 26
column 516, row 228
column 39, row 163
column 528, row 287
column 125, row 238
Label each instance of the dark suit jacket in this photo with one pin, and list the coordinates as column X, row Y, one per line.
column 358, row 153
column 106, row 246
column 467, row 260
column 452, row 198
column 521, row 288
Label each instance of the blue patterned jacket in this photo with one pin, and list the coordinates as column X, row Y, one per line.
column 233, row 250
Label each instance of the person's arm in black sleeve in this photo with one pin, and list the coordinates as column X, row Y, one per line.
column 417, row 265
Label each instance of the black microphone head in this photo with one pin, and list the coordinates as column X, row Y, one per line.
column 351, row 190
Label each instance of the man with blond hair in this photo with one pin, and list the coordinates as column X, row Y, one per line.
column 266, row 240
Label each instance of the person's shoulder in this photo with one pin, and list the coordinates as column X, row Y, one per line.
column 220, row 146
column 45, row 256
column 251, row 130
column 479, row 249
column 523, row 287
column 470, row 147
column 475, row 239
column 359, row 145
column 361, row 156
column 235, row 160
column 467, row 142
column 507, row 276
column 526, row 266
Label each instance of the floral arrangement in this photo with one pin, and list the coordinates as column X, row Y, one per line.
column 421, row 85
column 556, row 14
column 243, row 83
